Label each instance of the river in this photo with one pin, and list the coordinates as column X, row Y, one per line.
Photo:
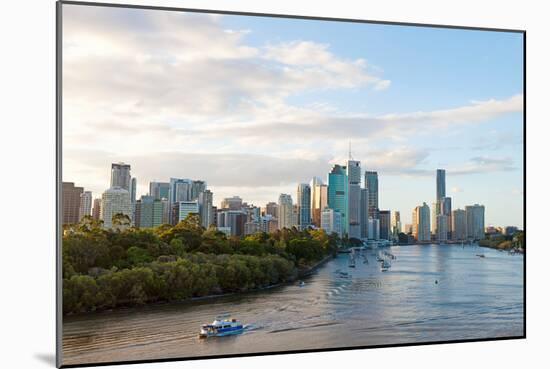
column 473, row 298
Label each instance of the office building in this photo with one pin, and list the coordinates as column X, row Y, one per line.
column 304, row 206
column 354, row 198
column 133, row 189
column 96, row 210
column 385, row 224
column 371, row 184
column 440, row 184
column 120, row 176
column 232, row 203
column 364, row 213
column 85, row 204
column 159, row 190
column 373, row 232
column 115, row 200
column 234, row 220
column 338, row 193
column 271, row 208
column 149, row 212
column 70, row 202
column 319, row 200
column 396, row 223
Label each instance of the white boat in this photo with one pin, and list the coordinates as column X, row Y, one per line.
column 221, row 326
column 385, row 265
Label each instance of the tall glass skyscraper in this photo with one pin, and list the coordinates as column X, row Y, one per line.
column 304, row 205
column 338, row 193
column 354, row 198
column 440, row 184
column 371, row 183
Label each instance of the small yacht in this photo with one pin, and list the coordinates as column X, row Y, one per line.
column 221, row 326
column 302, row 284
column 385, row 266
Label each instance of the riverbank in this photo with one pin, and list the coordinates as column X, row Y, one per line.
column 303, row 273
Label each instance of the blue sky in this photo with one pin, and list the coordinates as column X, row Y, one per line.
column 256, row 105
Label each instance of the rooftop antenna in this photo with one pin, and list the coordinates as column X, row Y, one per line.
column 350, row 157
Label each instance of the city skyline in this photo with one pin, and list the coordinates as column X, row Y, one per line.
column 262, row 134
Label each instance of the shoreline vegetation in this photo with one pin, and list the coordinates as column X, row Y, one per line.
column 126, row 266
column 515, row 243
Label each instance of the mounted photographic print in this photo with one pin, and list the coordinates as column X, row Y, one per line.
column 235, row 184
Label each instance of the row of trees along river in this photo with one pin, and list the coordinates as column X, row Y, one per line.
column 126, row 266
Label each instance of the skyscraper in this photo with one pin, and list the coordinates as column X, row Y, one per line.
column 133, row 189
column 440, row 184
column 385, row 224
column 475, row 222
column 271, row 208
column 186, row 208
column 115, row 200
column 285, row 211
column 70, row 201
column 354, row 198
column 120, row 175
column 96, row 211
column 396, row 223
column 374, row 229
column 338, row 193
column 459, row 225
column 232, row 203
column 232, row 220
column 159, row 190
column 85, row 204
column 196, row 188
column 179, row 189
column 446, row 210
column 331, row 221
column 319, row 200
column 206, row 199
column 304, row 205
column 442, row 231
column 364, row 212
column 421, row 223
column 149, row 212
column 371, row 183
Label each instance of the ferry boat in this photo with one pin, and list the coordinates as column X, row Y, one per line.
column 221, row 326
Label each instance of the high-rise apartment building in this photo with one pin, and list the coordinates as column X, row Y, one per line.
column 396, row 223
column 442, row 231
column 331, row 221
column 285, row 211
column 459, row 225
column 70, row 201
column 85, row 204
column 271, row 208
column 475, row 222
column 120, row 176
column 206, row 200
column 115, row 200
column 421, row 223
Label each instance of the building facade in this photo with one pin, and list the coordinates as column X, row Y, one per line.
column 120, row 176
column 385, row 224
column 475, row 222
column 354, row 198
column 70, row 201
column 421, row 223
column 338, row 194
column 459, row 225
column 285, row 211
column 371, row 184
column 304, row 205
column 115, row 200
column 85, row 204
column 159, row 190
column 331, row 221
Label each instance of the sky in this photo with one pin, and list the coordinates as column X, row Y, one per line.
column 256, row 105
